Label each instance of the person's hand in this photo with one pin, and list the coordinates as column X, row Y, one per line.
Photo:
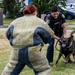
column 60, row 40
column 56, row 37
column 64, row 35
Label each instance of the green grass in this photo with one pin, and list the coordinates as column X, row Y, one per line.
column 61, row 69
column 7, row 21
column 4, row 26
column 71, row 28
column 70, row 22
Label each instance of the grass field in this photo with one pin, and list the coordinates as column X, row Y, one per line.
column 5, row 50
column 70, row 22
column 8, row 21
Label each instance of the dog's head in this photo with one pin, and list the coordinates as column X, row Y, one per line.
column 66, row 42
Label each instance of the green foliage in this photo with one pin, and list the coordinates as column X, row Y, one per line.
column 47, row 4
column 57, row 3
column 12, row 7
column 41, row 5
column 1, row 5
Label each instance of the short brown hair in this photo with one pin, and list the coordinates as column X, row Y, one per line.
column 54, row 9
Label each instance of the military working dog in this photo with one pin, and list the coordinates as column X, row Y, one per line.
column 67, row 48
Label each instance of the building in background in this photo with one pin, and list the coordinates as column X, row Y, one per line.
column 27, row 2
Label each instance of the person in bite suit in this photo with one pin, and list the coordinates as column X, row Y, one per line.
column 27, row 35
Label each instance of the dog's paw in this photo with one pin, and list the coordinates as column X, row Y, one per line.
column 65, row 61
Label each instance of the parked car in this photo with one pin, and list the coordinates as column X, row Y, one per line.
column 70, row 6
column 69, row 15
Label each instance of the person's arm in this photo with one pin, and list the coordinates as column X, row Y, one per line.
column 56, row 37
column 9, row 34
column 47, row 34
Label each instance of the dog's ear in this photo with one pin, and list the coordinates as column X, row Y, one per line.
column 70, row 38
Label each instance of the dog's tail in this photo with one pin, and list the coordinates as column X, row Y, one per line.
column 72, row 33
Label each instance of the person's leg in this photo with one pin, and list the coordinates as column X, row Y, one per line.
column 15, row 65
column 50, row 51
column 38, row 61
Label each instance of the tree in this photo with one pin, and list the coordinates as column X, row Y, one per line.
column 57, row 2
column 1, row 4
column 12, row 7
column 41, row 5
column 47, row 4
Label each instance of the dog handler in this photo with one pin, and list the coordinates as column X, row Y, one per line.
column 57, row 23
column 27, row 35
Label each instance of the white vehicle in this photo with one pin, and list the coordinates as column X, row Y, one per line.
column 70, row 6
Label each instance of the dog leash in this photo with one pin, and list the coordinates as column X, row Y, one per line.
column 58, row 49
column 56, row 45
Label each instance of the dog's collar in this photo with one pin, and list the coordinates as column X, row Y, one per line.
column 70, row 45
